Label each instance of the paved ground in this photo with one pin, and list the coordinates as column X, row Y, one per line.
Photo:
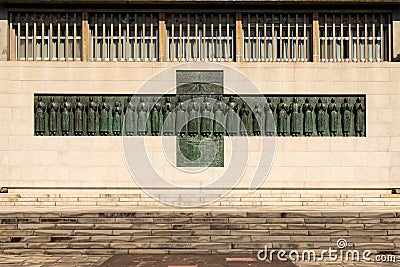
column 163, row 261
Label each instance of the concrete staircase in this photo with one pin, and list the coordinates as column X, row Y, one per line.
column 126, row 230
column 122, row 221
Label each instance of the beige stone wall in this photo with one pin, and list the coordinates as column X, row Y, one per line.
column 370, row 162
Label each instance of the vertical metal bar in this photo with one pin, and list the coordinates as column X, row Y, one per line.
column 382, row 41
column 111, row 38
column 350, row 41
column 204, row 36
column 280, row 35
column 51, row 38
column 74, row 45
column 297, row 39
column 188, row 53
column 373, row 38
column 119, row 38
column 326, row 38
column 334, row 38
column 151, row 38
column 180, row 38
column 257, row 41
column 212, row 38
column 220, row 36
column 43, row 37
column 342, row 38
column 248, row 56
column 143, row 37
column 358, row 39
column 305, row 38
column 228, row 43
column 34, row 37
column 26, row 37
column 58, row 38
column 19, row 38
column 66, row 53
column 265, row 37
column 365, row 39
column 104, row 38
column 136, row 48
column 289, row 50
column 128, row 41
column 390, row 37
column 196, row 46
column 273, row 37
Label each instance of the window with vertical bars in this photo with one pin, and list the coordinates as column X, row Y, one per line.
column 200, row 37
column 46, row 36
column 277, row 37
column 354, row 37
column 124, row 37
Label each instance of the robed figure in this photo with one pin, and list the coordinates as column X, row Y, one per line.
column 308, row 117
column 257, row 113
column 168, row 117
column 53, row 110
column 282, row 113
column 333, row 113
column 142, row 110
column 193, row 110
column 232, row 119
column 320, row 112
column 295, row 117
column 104, row 117
column 40, row 116
column 244, row 115
column 79, row 109
column 269, row 109
column 65, row 116
column 219, row 120
column 206, row 118
column 359, row 115
column 345, row 111
column 180, row 118
column 155, row 118
column 117, row 119
column 130, row 118
column 91, row 113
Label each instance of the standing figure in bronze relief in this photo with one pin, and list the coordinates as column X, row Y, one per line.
column 180, row 118
column 232, row 120
column 320, row 111
column 168, row 118
column 219, row 120
column 117, row 119
column 40, row 116
column 308, row 118
column 359, row 115
column 91, row 113
column 295, row 117
column 345, row 110
column 66, row 117
column 206, row 121
column 79, row 109
column 257, row 113
column 333, row 113
column 244, row 115
column 282, row 113
column 193, row 124
column 104, row 117
column 269, row 109
column 155, row 118
column 142, row 117
column 53, row 110
column 130, row 118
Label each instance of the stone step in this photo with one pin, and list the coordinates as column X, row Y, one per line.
column 115, row 231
